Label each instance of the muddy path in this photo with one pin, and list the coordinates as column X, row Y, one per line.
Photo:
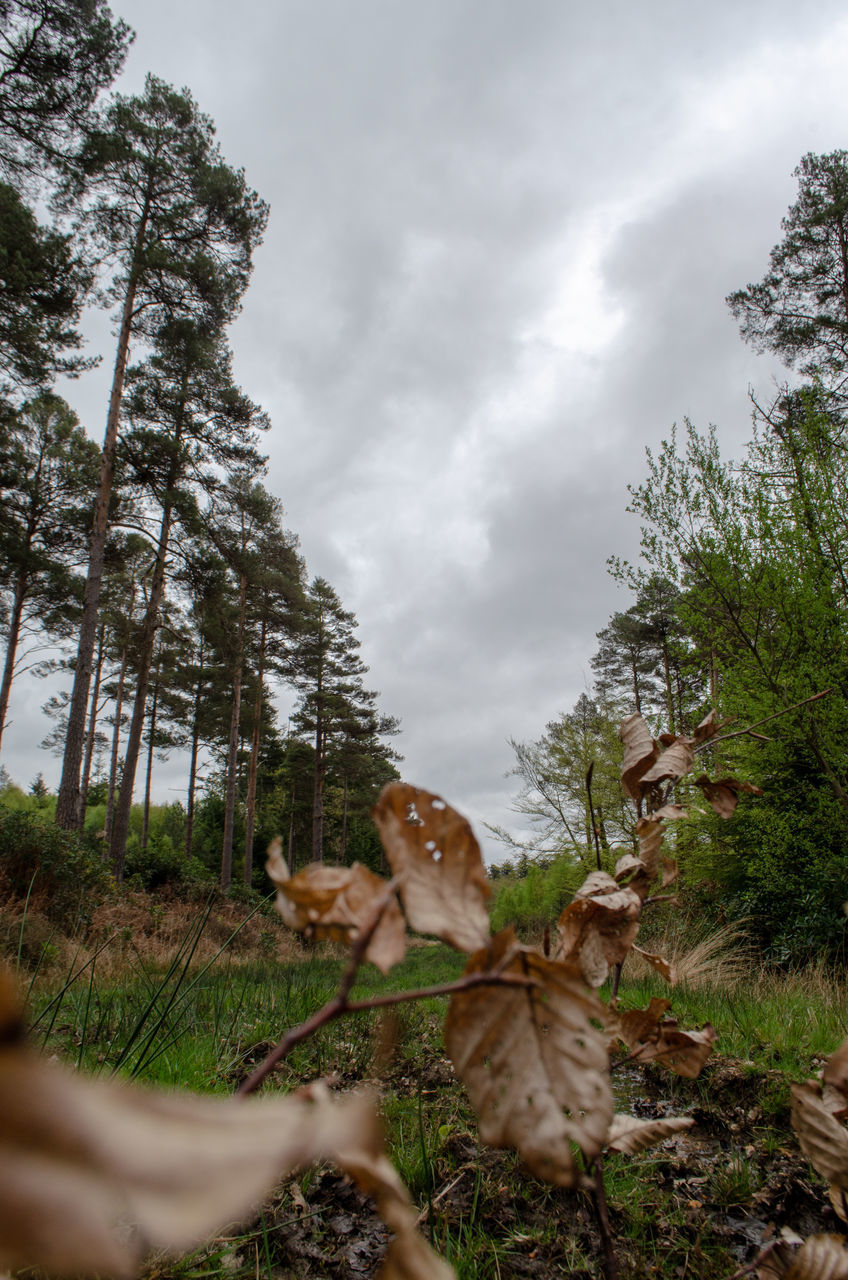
column 701, row 1204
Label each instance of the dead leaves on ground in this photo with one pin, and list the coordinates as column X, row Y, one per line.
column 94, row 1175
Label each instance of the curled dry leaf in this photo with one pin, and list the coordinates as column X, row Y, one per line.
column 835, row 1071
column 535, row 1067
column 723, row 794
column 662, row 966
column 651, row 834
column 822, row 1257
column 674, row 763
column 640, row 752
column 335, row 902
column 670, row 872
column 432, row 847
column 597, row 929
column 629, row 1135
column 94, row 1174
column 652, row 1038
column 821, row 1137
column 708, row 728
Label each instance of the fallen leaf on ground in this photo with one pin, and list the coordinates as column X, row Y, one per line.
column 629, row 1135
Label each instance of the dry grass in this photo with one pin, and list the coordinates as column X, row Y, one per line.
column 723, row 958
column 153, row 930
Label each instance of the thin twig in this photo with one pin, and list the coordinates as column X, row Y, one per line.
column 341, row 1003
column 740, row 733
column 589, row 773
column 599, row 1195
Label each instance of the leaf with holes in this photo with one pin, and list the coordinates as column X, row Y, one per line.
column 629, row 1135
column 597, row 929
column 443, row 880
column 335, row 902
column 535, row 1067
column 662, row 966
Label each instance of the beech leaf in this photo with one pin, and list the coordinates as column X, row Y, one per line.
column 640, row 752
column 598, row 927
column 674, row 763
column 821, row 1137
column 629, row 1135
column 723, row 794
column 94, row 1174
column 535, row 1067
column 652, row 1038
column 432, row 847
column 334, row 903
column 662, row 966
column 822, row 1257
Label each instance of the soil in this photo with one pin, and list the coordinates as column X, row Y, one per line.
column 706, row 1201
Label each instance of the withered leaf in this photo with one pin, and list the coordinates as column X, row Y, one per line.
column 707, row 729
column 334, row 903
column 94, row 1174
column 535, row 1067
column 835, row 1071
column 432, row 847
column 597, row 929
column 629, row 1135
column 821, row 1137
column 670, row 872
column 723, row 794
column 822, row 1257
column 651, row 834
column 652, row 1038
column 662, row 966
column 640, row 752
column 674, row 763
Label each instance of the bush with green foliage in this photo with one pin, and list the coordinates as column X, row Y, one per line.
column 61, row 871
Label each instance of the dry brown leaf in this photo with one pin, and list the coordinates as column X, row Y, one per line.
column 835, row 1071
column 662, row 966
column 334, row 903
column 651, row 834
column 839, row 1200
column 627, row 866
column 821, row 1137
column 432, row 847
column 597, row 929
column 93, row 1174
column 823, row 1257
column 652, row 1038
column 535, row 1067
column 674, row 763
column 708, row 728
column 723, row 794
column 629, row 1135
column 670, row 872
column 640, row 752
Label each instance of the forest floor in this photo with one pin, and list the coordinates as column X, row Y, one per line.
column 701, row 1204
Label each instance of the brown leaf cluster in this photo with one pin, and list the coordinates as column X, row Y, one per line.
column 535, row 1066
column 94, row 1175
column 723, row 794
column 335, row 903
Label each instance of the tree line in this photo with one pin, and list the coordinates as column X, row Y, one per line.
column 155, row 569
column 740, row 602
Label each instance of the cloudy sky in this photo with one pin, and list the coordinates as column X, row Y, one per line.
column 501, row 236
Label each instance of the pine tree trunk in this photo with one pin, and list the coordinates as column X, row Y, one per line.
column 232, row 750
column 250, row 814
column 344, row 824
column 120, row 830
column 145, row 828
column 68, row 806
column 116, row 742
column 318, row 793
column 192, row 773
column 92, row 721
column 291, row 836
column 21, row 585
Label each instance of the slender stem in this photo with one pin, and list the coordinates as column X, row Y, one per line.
column 595, row 836
column 740, row 733
column 599, row 1195
column 340, row 1003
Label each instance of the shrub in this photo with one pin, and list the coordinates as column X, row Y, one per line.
column 65, row 871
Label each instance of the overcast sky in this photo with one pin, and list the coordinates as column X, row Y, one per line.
column 501, row 236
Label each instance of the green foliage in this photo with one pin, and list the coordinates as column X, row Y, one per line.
column 534, row 901
column 66, row 873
